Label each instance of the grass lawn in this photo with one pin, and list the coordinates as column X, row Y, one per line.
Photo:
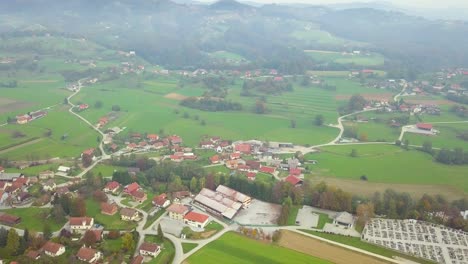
column 264, row 177
column 35, row 170
column 372, row 59
column 323, row 219
column 113, row 245
column 106, row 170
column 167, row 250
column 187, row 247
column 447, row 138
column 293, row 214
column 93, row 208
column 34, row 218
column 151, row 219
column 378, row 163
column 211, row 228
column 374, row 131
column 234, row 248
column 274, row 126
column 70, row 136
column 356, row 242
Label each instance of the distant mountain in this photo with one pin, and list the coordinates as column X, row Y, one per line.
column 230, row 5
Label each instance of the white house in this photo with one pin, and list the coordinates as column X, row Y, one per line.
column 149, row 249
column 49, row 186
column 344, row 219
column 196, row 220
column 52, row 249
column 129, row 214
column 81, row 223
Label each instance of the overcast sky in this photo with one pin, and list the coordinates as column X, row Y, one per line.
column 405, row 3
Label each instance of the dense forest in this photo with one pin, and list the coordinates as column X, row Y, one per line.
column 182, row 35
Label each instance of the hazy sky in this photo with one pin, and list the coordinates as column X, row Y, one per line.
column 407, row 3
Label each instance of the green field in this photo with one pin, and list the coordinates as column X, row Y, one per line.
column 228, row 57
column 187, row 247
column 70, row 136
column 93, row 208
column 447, row 137
column 234, row 248
column 372, row 59
column 34, row 218
column 387, row 164
column 274, row 126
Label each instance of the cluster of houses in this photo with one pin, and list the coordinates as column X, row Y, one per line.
column 31, row 116
column 233, row 157
column 14, row 187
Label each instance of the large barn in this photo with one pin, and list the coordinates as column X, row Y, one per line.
column 224, row 202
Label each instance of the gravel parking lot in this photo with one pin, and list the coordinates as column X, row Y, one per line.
column 306, row 218
column 259, row 213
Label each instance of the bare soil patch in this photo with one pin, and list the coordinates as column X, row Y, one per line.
column 175, row 96
column 369, row 188
column 376, row 97
column 429, row 102
column 324, row 250
column 10, row 105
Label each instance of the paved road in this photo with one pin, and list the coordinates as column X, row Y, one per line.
column 101, row 147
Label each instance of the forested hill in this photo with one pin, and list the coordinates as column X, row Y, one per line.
column 414, row 40
column 183, row 35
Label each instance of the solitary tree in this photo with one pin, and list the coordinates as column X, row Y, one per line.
column 160, row 233
column 353, row 153
column 319, row 120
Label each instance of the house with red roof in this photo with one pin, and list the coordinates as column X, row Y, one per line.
column 52, row 249
column 269, row 170
column 88, row 255
column 174, row 139
column 149, row 249
column 251, row 175
column 82, row 107
column 131, row 188
column 295, row 171
column 112, row 187
column 177, row 211
column 139, row 196
column 254, row 165
column 196, row 219
column 207, row 145
column 231, row 164
column 109, row 208
column 10, row 220
column 81, row 223
column 243, row 148
column 235, row 155
column 88, row 152
column 161, row 201
column 214, row 159
column 242, row 167
column 152, row 137
column 278, row 79
column 424, row 126
column 33, row 254
column 177, row 157
column 137, row 260
column 293, row 180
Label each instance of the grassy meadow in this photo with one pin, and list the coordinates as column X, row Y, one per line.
column 387, row 164
column 372, row 59
column 447, row 137
column 234, row 248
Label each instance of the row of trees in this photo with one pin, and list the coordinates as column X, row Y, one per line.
column 210, row 104
column 169, row 176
